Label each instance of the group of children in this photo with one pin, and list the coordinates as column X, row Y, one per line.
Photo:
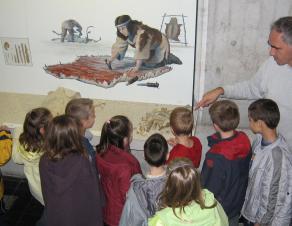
column 79, row 184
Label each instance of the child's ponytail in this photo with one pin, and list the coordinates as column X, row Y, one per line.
column 113, row 133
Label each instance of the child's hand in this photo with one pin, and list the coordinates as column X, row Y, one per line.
column 172, row 141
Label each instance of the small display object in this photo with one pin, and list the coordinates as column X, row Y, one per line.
column 16, row 51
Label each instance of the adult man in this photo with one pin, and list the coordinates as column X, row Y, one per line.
column 273, row 80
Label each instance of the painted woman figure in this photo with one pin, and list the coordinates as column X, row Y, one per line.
column 151, row 46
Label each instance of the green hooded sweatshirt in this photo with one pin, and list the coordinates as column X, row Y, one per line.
column 193, row 215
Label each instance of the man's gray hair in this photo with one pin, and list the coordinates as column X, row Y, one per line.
column 284, row 25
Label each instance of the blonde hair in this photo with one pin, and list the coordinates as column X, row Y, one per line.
column 181, row 121
column 79, row 108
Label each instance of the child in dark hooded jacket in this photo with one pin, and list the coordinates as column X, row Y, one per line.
column 70, row 187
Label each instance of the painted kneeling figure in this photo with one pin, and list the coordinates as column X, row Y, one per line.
column 152, row 48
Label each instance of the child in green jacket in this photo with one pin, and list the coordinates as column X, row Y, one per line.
column 183, row 202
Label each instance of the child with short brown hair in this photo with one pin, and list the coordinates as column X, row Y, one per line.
column 225, row 169
column 186, row 145
column 268, row 198
column 224, row 115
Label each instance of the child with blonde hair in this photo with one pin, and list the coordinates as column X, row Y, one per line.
column 185, row 145
column 184, row 202
column 116, row 165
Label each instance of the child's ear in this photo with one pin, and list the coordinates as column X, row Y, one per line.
column 172, row 131
column 126, row 143
column 261, row 123
column 167, row 155
column 82, row 122
column 42, row 131
column 216, row 127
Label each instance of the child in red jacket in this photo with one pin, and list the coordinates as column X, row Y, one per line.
column 186, row 146
column 116, row 165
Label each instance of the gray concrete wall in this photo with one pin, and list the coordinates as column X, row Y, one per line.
column 237, row 41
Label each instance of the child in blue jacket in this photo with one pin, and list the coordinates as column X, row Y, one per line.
column 225, row 169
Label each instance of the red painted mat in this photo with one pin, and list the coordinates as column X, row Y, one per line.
column 93, row 70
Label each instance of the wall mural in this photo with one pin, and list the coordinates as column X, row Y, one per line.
column 152, row 52
column 72, row 48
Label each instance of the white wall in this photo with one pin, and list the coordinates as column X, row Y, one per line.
column 35, row 19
